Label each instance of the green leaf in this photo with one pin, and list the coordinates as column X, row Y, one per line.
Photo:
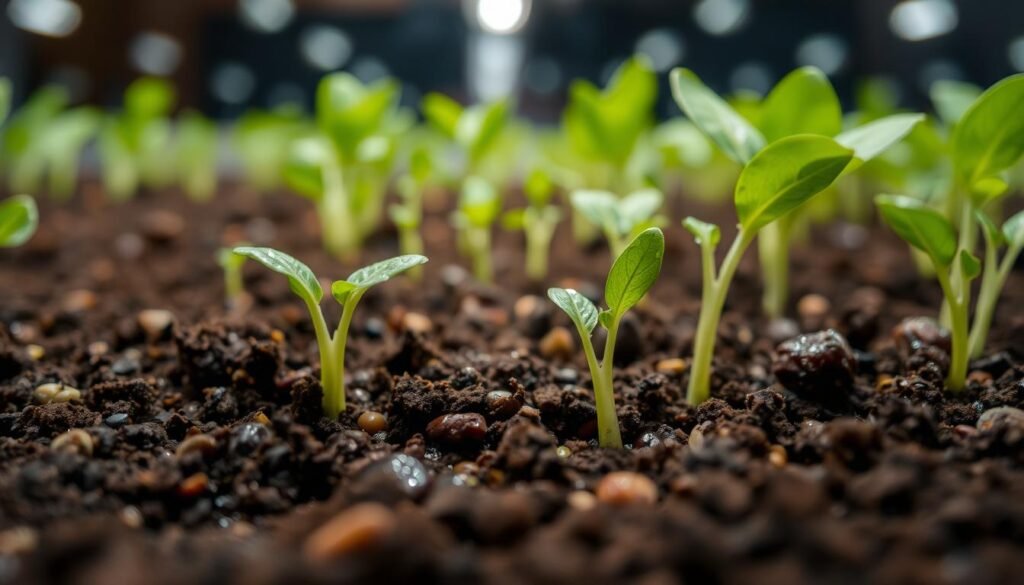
column 970, row 265
column 784, row 175
column 990, row 136
column 479, row 127
column 804, row 102
column 920, row 226
column 538, row 187
column 18, row 220
column 479, row 203
column 599, row 207
column 303, row 171
column 442, row 112
column 579, row 308
column 737, row 138
column 703, row 232
column 384, row 270
column 952, row 99
column 349, row 112
column 301, row 279
column 993, row 236
column 514, row 220
column 341, row 289
column 634, row 271
column 1013, row 230
column 988, row 189
column 149, row 97
column 5, row 98
column 873, row 138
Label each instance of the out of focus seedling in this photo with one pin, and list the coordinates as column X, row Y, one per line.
column 475, row 130
column 619, row 219
column 18, row 220
column 196, row 155
column 262, row 141
column 133, row 144
column 408, row 214
column 234, row 285
column 632, row 274
column 347, row 293
column 537, row 221
column 479, row 207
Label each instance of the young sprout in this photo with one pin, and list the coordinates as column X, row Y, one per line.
column 347, row 292
column 994, row 273
column 632, row 274
column 776, row 182
column 537, row 221
column 5, row 98
column 804, row 102
column 133, row 144
column 476, row 129
column 408, row 215
column 18, row 220
column 196, row 155
column 479, row 207
column 234, row 286
column 262, row 141
column 619, row 219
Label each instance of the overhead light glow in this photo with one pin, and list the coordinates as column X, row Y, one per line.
column 825, row 51
column 1015, row 52
column 52, row 18
column 721, row 17
column 155, row 53
column 266, row 16
column 326, row 47
column 502, row 17
column 232, row 83
column 663, row 46
column 920, row 20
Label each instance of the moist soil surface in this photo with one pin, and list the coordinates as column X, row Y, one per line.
column 199, row 452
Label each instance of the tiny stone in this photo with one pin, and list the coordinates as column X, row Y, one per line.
column 813, row 309
column 79, row 300
column 162, row 226
column 55, row 392
column 466, row 468
column 581, row 500
column 125, row 365
column 915, row 333
column 129, row 246
column 817, row 365
column 525, row 306
column 503, row 404
column 372, row 422
column 979, row 377
column 277, row 336
column 777, row 455
column 155, row 321
column 671, row 366
column 557, row 344
column 35, row 352
column 116, row 420
column 356, row 529
column 457, row 429
column 1000, row 413
column 392, row 479
column 196, row 443
column 375, row 328
column 193, row 485
column 76, row 440
column 261, row 419
column 780, row 330
column 131, row 517
column 563, row 452
column 98, row 348
column 453, row 275
column 620, row 488
column 20, row 541
column 246, row 438
column 417, row 323
column 566, row 376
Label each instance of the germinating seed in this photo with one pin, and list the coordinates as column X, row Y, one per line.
column 75, row 439
column 196, row 443
column 55, row 392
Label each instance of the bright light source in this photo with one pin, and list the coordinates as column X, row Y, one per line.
column 825, row 51
column 493, row 65
column 663, row 46
column 326, row 47
column 721, row 17
column 1015, row 51
column 266, row 16
column 919, row 20
column 232, row 83
column 155, row 53
column 502, row 17
column 52, row 18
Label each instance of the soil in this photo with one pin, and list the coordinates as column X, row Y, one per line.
column 206, row 458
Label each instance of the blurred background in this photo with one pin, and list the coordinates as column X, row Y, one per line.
column 225, row 56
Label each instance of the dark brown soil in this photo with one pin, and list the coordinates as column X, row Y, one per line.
column 211, row 462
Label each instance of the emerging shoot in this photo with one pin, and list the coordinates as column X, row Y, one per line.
column 632, row 274
column 18, row 220
column 347, row 293
column 479, row 207
column 619, row 219
column 537, row 221
column 234, row 286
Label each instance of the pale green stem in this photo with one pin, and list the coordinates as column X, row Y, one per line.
column 992, row 283
column 604, row 391
column 410, row 242
column 328, row 366
column 341, row 238
column 479, row 241
column 958, row 330
column 773, row 247
column 538, row 247
column 334, row 404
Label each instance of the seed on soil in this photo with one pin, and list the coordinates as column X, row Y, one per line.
column 396, row 477
column 777, row 455
column 457, row 429
column 621, row 488
column 155, row 322
column 1006, row 414
column 566, row 376
column 75, row 440
column 116, row 420
column 581, row 500
column 815, row 365
column 56, row 392
column 557, row 344
column 246, row 438
column 193, row 485
column 356, row 529
column 671, row 366
column 563, row 452
column 204, row 444
column 372, row 422
column 813, row 309
column 915, row 333
column 79, row 300
column 466, row 468
column 131, row 517
column 261, row 419
column 97, row 348
column 35, row 352
column 503, row 404
column 417, row 323
column 883, row 382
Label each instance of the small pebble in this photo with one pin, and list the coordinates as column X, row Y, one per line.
column 131, row 517
column 116, row 420
column 98, row 348
column 76, row 440
column 1000, row 413
column 261, row 419
column 777, row 455
column 979, row 377
column 557, row 344
column 162, row 226
column 55, row 392
column 353, row 530
column 780, row 330
column 453, row 275
column 915, row 333
column 817, row 365
column 563, row 452
column 17, row 541
column 581, row 500
column 566, row 376
column 79, row 301
column 246, row 438
column 155, row 322
column 394, row 478
column 813, row 307
column 129, row 246
column 503, row 404
column 372, row 422
column 417, row 323
column 671, row 366
column 35, row 352
column 204, row 444
column 620, row 488
column 457, row 429
column 193, row 485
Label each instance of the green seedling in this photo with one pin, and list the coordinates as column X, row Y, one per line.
column 347, row 293
column 476, row 130
column 344, row 166
column 778, row 179
column 18, row 220
column 133, row 144
column 234, row 286
column 262, row 140
column 5, row 98
column 619, row 219
column 479, row 207
column 408, row 214
column 537, row 221
column 632, row 275
column 804, row 102
column 196, row 155
column 994, row 273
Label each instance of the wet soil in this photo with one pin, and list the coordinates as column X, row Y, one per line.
column 198, row 452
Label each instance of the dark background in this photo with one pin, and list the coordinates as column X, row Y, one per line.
column 424, row 43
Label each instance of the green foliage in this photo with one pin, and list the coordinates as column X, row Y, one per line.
column 920, row 226
column 634, row 271
column 478, row 208
column 301, row 279
column 133, row 144
column 619, row 219
column 350, row 113
column 952, row 98
column 18, row 220
column 580, row 310
column 196, row 150
column 804, row 102
column 5, row 98
column 476, row 129
column 989, row 137
column 737, row 137
column 262, row 140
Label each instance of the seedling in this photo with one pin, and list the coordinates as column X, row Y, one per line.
column 196, row 154
column 234, row 286
column 475, row 130
column 347, row 292
column 479, row 207
column 5, row 98
column 776, row 182
column 18, row 220
column 632, row 274
column 133, row 144
column 262, row 140
column 408, row 215
column 804, row 102
column 537, row 221
column 619, row 219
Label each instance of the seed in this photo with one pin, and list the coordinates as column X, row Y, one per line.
column 193, row 485
column 563, row 452
column 261, row 418
column 813, row 307
column 417, row 323
column 671, row 366
column 76, row 440
column 915, row 333
column 372, row 422
column 816, row 365
column 621, row 488
column 466, row 468
column 35, row 352
column 79, row 300
column 98, row 348
column 56, row 392
column 19, row 540
column 883, row 382
column 581, row 500
column 131, row 516
column 155, row 321
column 457, row 429
column 357, row 529
column 777, row 455
column 277, row 336
column 1007, row 414
column 503, row 404
column 557, row 344
column 196, row 444
column 394, row 478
